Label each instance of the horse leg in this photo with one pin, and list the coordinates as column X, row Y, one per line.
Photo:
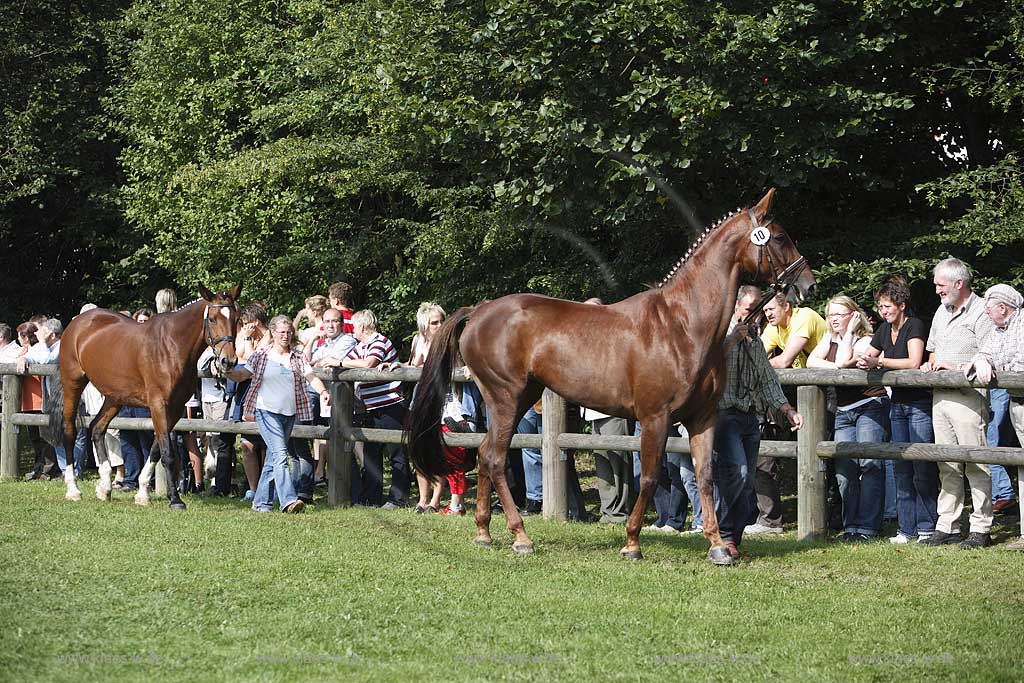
column 98, row 433
column 701, row 441
column 168, row 455
column 73, row 388
column 483, row 497
column 503, row 422
column 151, row 458
column 652, row 450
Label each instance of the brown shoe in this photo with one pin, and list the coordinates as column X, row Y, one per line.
column 295, row 508
column 733, row 550
column 1003, row 505
column 1016, row 545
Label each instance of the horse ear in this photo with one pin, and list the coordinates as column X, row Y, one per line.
column 235, row 291
column 205, row 293
column 765, row 205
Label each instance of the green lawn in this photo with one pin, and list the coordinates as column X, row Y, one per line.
column 95, row 591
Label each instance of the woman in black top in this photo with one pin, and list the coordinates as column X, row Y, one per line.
column 899, row 345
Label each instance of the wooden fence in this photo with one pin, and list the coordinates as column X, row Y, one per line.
column 810, row 449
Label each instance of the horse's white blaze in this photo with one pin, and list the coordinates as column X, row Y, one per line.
column 226, row 312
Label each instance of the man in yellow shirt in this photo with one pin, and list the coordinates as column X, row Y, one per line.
column 791, row 334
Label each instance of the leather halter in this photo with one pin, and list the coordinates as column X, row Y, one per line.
column 208, row 332
column 782, row 280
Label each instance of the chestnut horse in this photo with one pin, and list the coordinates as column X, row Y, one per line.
column 657, row 357
column 149, row 364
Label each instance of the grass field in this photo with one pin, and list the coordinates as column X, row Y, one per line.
column 94, row 592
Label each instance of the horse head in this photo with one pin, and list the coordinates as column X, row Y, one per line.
column 219, row 324
column 769, row 253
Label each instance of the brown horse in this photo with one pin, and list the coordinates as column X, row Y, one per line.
column 657, row 357
column 150, row 364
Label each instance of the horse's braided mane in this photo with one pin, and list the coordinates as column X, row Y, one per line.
column 701, row 239
column 185, row 305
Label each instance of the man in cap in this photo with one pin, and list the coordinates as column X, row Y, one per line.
column 1003, row 351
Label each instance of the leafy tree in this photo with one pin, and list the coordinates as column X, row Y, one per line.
column 458, row 149
column 59, row 219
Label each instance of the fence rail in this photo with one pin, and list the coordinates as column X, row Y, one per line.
column 810, row 449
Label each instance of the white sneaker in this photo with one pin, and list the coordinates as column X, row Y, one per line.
column 662, row 529
column 754, row 529
column 900, row 539
column 698, row 530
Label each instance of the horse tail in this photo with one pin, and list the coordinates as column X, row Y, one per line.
column 423, row 421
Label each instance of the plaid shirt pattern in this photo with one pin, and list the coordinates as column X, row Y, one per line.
column 1004, row 347
column 751, row 383
column 299, row 366
column 957, row 336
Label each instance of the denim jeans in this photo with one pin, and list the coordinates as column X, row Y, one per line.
column 533, row 461
column 862, row 480
column 917, row 482
column 275, row 430
column 737, row 438
column 689, row 478
column 81, row 451
column 135, row 447
column 300, row 456
column 671, row 494
column 999, row 405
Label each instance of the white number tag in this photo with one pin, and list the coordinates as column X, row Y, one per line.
column 760, row 236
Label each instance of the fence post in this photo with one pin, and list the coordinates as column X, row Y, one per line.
column 339, row 449
column 8, row 430
column 811, row 510
column 556, row 500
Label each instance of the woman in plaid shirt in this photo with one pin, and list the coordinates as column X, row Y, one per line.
column 276, row 398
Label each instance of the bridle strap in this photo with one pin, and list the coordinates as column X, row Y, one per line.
column 208, row 332
column 782, row 280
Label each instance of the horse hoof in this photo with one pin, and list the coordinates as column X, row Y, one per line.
column 720, row 556
column 76, row 496
column 179, row 507
column 634, row 555
column 482, row 542
column 103, row 494
column 139, row 500
column 522, row 548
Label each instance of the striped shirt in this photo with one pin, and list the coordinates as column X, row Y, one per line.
column 377, row 394
column 257, row 365
column 751, row 382
column 957, row 335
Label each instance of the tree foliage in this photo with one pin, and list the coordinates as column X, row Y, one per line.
column 461, row 149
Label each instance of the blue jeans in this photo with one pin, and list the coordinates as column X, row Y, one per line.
column 533, row 461
column 737, row 439
column 862, row 480
column 672, row 494
column 999, row 405
column 135, row 448
column 689, row 478
column 917, row 482
column 81, row 450
column 275, row 430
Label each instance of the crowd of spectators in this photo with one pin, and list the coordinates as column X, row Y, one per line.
column 274, row 385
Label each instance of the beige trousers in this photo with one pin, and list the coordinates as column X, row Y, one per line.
column 959, row 418
column 1017, row 420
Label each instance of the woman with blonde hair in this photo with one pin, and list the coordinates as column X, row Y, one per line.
column 862, row 415
column 429, row 317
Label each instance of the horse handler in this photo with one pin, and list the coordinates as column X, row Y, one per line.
column 276, row 398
